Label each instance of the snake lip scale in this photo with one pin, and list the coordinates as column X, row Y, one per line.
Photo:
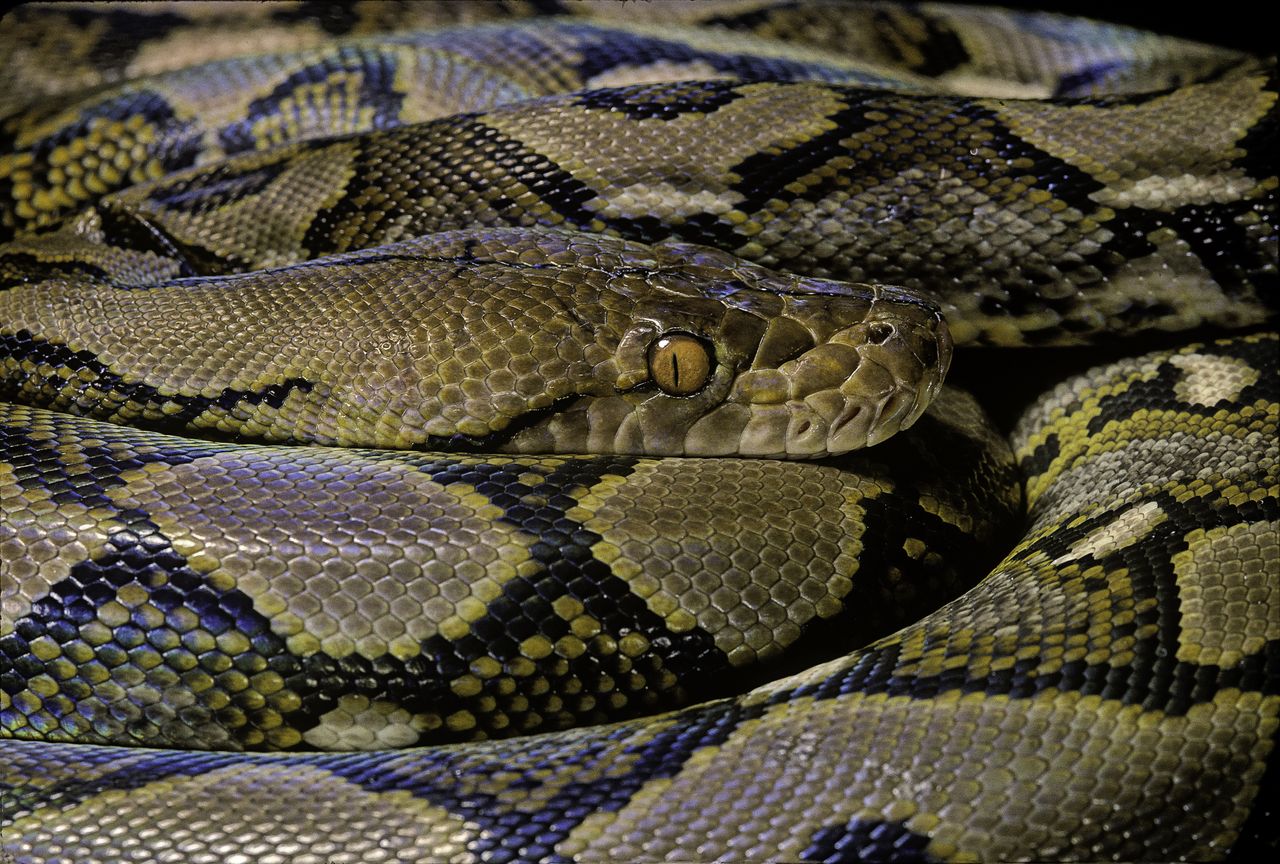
column 521, row 432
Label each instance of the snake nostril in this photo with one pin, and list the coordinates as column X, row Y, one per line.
column 879, row 332
column 929, row 352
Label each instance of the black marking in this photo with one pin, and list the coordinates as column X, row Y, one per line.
column 130, row 230
column 525, row 610
column 1159, row 390
column 1233, row 253
column 764, row 176
column 1016, row 157
column 220, row 185
column 442, row 166
column 1083, row 80
column 665, row 101
column 38, row 461
column 901, row 588
column 377, row 94
column 703, row 228
column 387, row 255
column 752, row 20
column 1154, row 679
column 34, row 389
column 1258, row 839
column 223, row 183
column 176, row 145
column 47, row 391
column 177, row 141
column 602, row 50
column 551, row 183
column 25, row 268
column 568, row 568
column 138, row 553
column 335, row 17
column 508, row 834
column 153, row 766
column 1260, row 144
column 446, row 778
column 939, row 52
column 119, row 32
column 1042, row 457
column 460, row 443
column 867, row 840
column 1089, row 82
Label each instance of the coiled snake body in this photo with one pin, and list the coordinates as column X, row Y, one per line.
column 475, row 303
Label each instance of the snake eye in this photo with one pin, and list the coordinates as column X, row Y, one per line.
column 679, row 364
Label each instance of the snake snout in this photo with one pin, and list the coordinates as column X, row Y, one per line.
column 866, row 379
column 904, row 356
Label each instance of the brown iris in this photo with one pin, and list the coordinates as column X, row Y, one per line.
column 679, row 364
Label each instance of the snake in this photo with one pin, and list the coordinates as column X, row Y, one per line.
column 564, row 470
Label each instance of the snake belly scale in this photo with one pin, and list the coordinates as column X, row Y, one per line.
column 447, row 445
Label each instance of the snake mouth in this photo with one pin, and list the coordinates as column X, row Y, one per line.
column 904, row 371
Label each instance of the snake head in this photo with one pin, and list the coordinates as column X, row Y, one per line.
column 521, row 340
column 719, row 357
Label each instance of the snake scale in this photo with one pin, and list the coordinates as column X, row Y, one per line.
column 445, row 445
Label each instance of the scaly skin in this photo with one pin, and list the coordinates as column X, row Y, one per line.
column 1032, row 222
column 1111, row 690
column 519, row 340
column 1108, row 692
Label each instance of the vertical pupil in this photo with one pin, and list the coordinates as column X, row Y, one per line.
column 675, row 369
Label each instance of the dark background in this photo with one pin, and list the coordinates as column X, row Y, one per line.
column 1237, row 25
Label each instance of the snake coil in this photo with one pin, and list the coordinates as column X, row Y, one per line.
column 373, row 403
